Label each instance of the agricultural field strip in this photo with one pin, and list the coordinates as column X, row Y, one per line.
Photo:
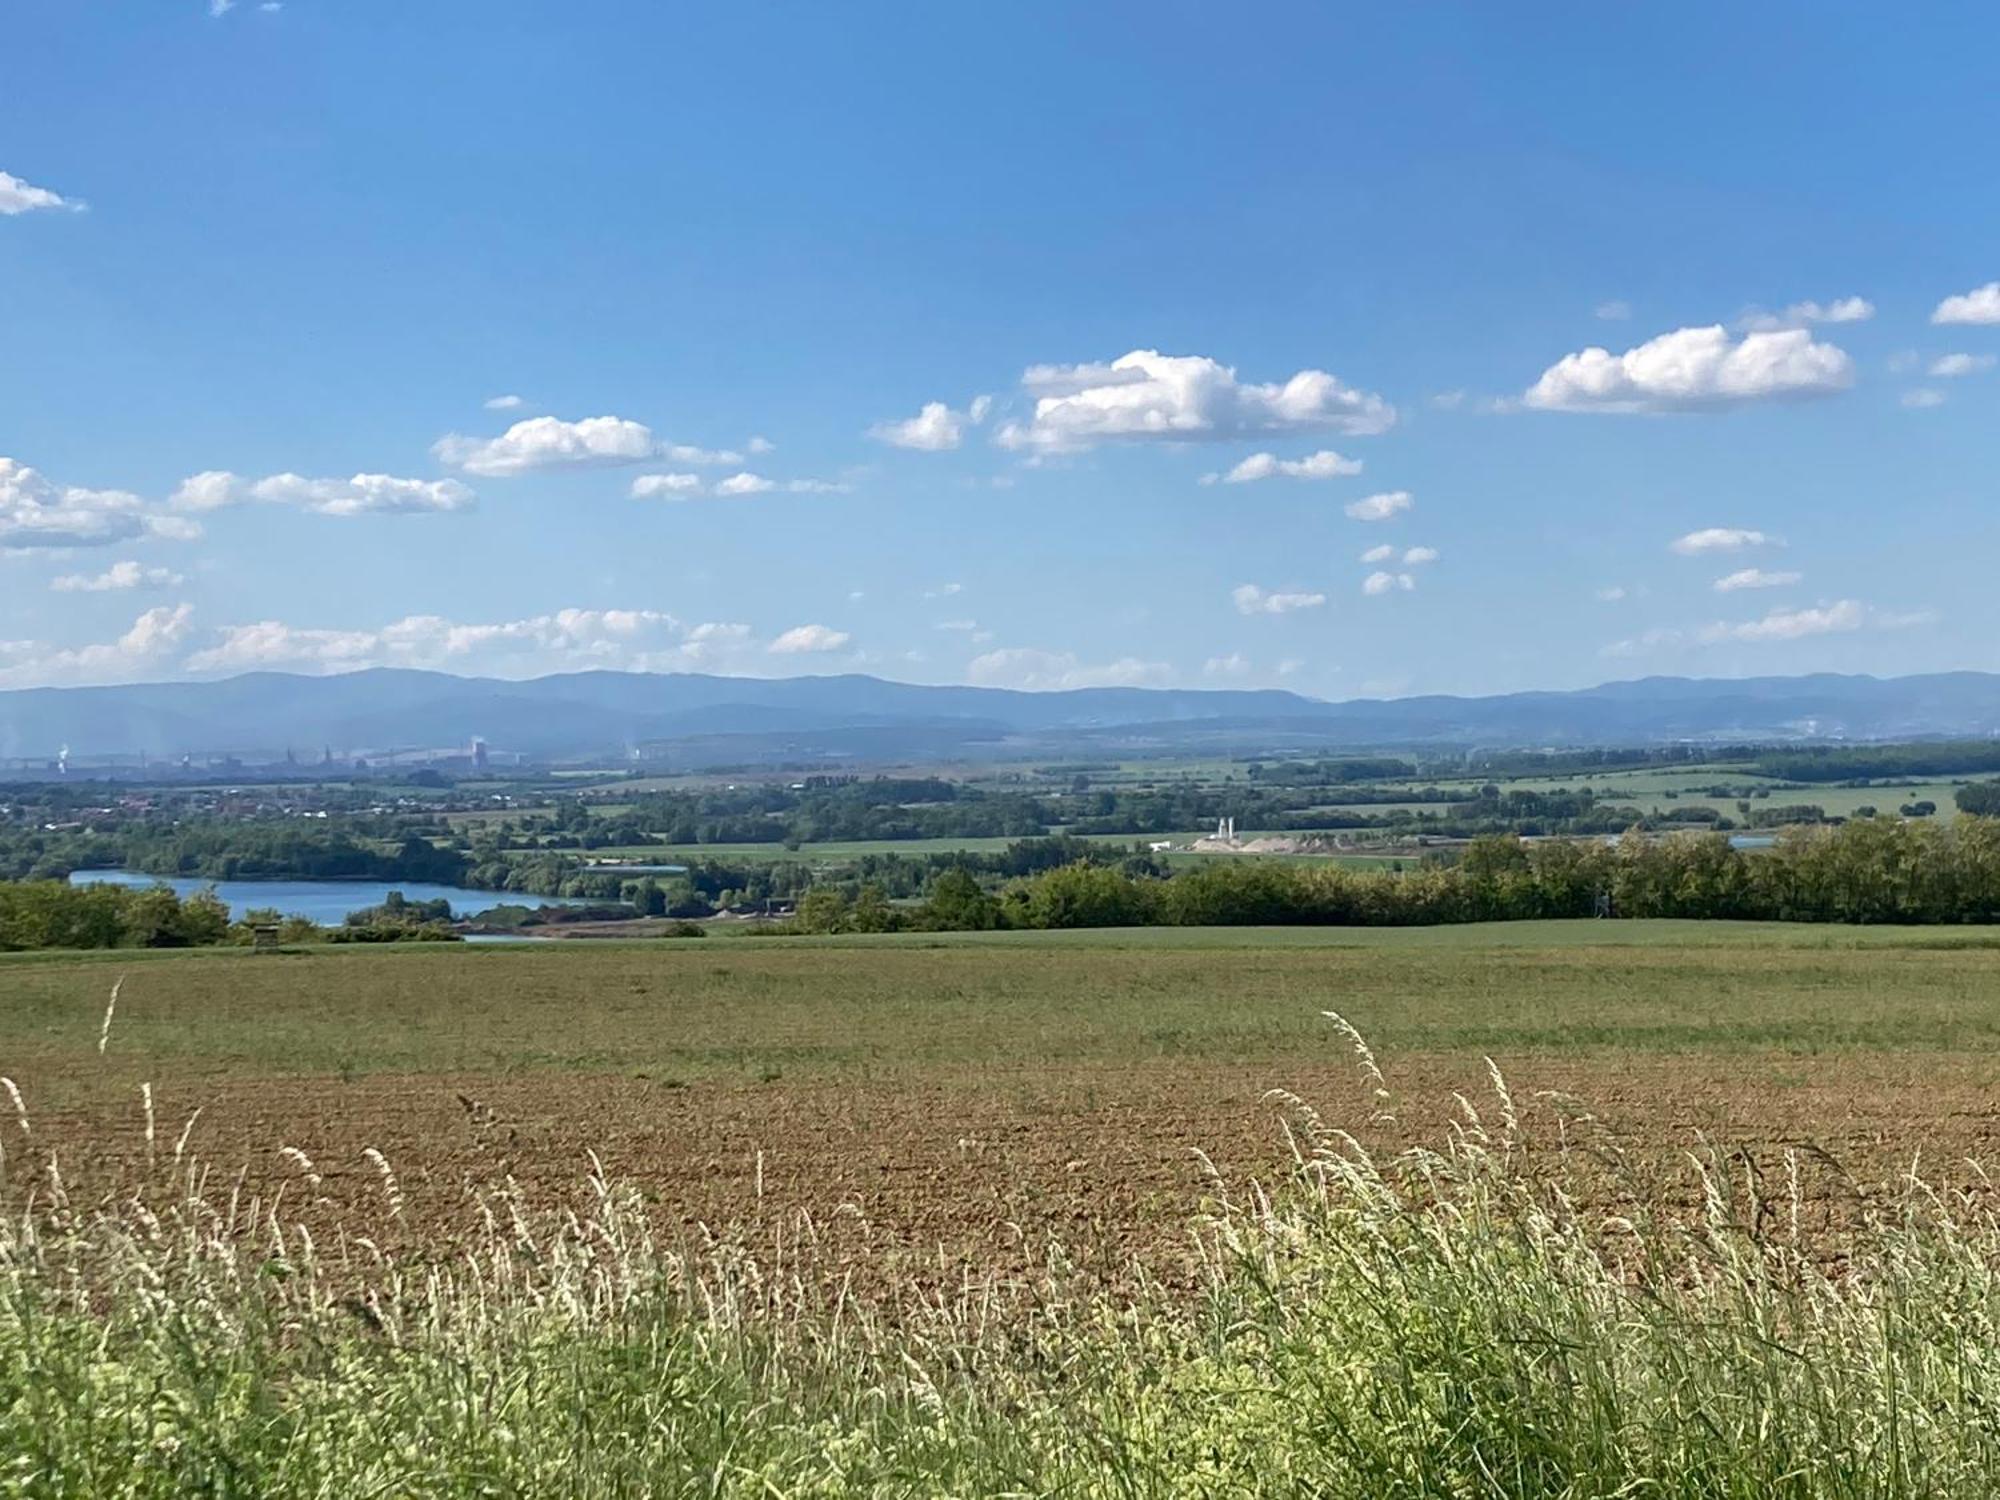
column 974, row 1094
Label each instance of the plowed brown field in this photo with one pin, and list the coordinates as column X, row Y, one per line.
column 954, row 1110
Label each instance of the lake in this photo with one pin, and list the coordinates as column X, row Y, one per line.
column 324, row 901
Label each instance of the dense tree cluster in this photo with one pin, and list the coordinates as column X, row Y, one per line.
column 1869, row 870
column 55, row 914
column 1981, row 797
column 37, row 914
column 271, row 850
column 1880, row 762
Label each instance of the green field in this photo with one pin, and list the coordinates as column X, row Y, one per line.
column 899, row 1004
column 1647, row 789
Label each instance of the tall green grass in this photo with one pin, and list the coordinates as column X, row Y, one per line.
column 1448, row 1322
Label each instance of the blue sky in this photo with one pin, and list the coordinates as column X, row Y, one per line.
column 1030, row 345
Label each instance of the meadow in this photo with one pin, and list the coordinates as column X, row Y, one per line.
column 1009, row 1213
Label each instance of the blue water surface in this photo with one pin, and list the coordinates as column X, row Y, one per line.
column 324, row 901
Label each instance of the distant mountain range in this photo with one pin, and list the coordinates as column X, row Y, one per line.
column 686, row 719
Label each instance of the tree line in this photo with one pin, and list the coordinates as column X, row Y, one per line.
column 1870, row 870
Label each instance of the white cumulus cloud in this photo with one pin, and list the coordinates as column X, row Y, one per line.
column 666, row 486
column 1251, row 600
column 1418, row 555
column 1755, row 578
column 538, row 443
column 1923, row 398
column 550, row 443
column 1381, row 507
column 503, row 403
column 37, row 512
column 141, row 651
column 936, row 428
column 1719, row 539
column 1379, row 554
column 1146, row 395
column 1980, row 305
column 1693, row 369
column 18, row 197
column 361, row 495
column 1379, row 583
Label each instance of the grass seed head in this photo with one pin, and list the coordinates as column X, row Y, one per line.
column 110, row 1010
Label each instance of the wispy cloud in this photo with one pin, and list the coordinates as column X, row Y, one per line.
column 1252, row 600
column 1325, row 464
column 739, row 486
column 118, row 577
column 1720, row 539
column 1790, row 624
column 1755, row 578
column 1804, row 314
column 1952, row 366
column 1382, row 507
column 631, row 639
column 1032, row 670
column 363, row 494
column 803, row 639
column 1840, row 617
column 1379, row 583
